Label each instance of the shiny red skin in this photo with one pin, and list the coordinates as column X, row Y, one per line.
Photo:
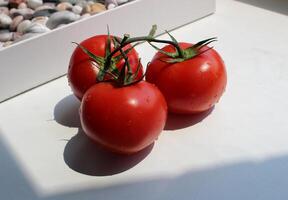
column 123, row 119
column 192, row 86
column 82, row 74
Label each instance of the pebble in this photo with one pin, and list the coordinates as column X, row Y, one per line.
column 15, row 22
column 26, row 36
column 16, row 35
column 44, row 12
column 22, row 5
column 41, row 20
column 44, row 7
column 5, row 35
column 36, row 28
column 70, row 1
column 81, row 3
column 97, row 8
column 52, row 5
column 5, row 21
column 90, row 2
column 27, row 13
column 4, row 10
column 61, row 25
column 21, row 28
column 8, row 43
column 110, row 4
column 64, row 6
column 62, row 17
column 34, row 3
column 15, row 3
column 77, row 9
column 11, row 11
column 94, row 8
column 121, row 1
column 22, row 19
column 4, row 2
column 86, row 9
column 51, row 1
column 85, row 16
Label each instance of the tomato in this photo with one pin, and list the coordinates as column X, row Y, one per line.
column 191, row 86
column 123, row 119
column 82, row 74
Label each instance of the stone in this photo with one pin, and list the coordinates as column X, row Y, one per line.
column 62, row 17
column 90, row 2
column 110, row 4
column 77, row 9
column 22, row 5
column 5, row 35
column 51, row 1
column 21, row 28
column 61, row 25
column 96, row 8
column 26, row 36
column 121, row 1
column 36, row 28
column 27, row 13
column 16, row 35
column 86, row 9
column 43, row 7
column 93, row 8
column 11, row 11
column 4, row 2
column 52, row 5
column 15, row 22
column 41, row 20
column 44, row 12
column 85, row 16
column 81, row 3
column 70, row 1
column 64, row 6
column 5, row 21
column 34, row 3
column 8, row 43
column 4, row 10
column 15, row 3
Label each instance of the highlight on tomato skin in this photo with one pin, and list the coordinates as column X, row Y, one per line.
column 191, row 86
column 123, row 119
column 83, row 72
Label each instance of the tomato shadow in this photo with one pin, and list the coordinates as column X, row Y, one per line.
column 86, row 157
column 178, row 121
column 66, row 112
column 83, row 155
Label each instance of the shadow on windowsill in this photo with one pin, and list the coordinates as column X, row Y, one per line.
column 279, row 6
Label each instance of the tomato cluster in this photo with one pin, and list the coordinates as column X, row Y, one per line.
column 124, row 113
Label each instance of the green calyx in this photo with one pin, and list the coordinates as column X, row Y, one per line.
column 125, row 76
column 184, row 54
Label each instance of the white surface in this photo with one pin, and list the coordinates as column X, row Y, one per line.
column 237, row 152
column 47, row 56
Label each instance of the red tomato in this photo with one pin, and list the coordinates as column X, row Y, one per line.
column 82, row 74
column 191, row 86
column 123, row 119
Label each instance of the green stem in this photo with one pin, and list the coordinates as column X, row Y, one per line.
column 140, row 39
